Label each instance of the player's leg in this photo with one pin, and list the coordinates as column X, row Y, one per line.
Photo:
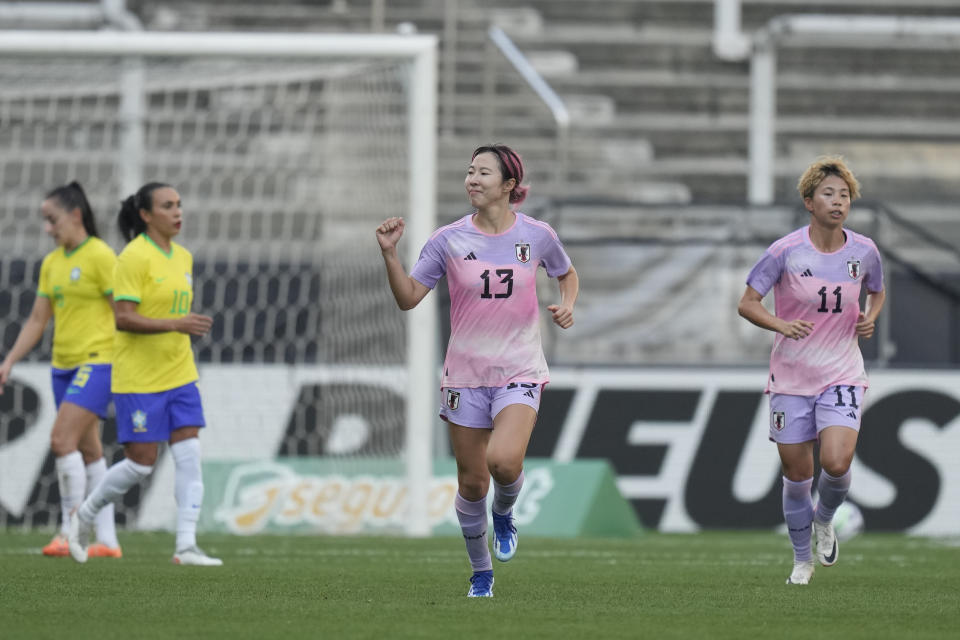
column 186, row 416
column 91, row 390
column 120, row 478
column 141, row 420
column 107, row 545
column 837, row 444
column 473, row 480
column 69, row 464
column 797, row 462
column 71, row 423
column 792, row 427
column 467, row 410
column 838, row 408
column 515, row 413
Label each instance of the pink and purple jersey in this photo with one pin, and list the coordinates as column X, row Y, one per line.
column 494, row 311
column 822, row 288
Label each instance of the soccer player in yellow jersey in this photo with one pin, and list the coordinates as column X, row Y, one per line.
column 154, row 376
column 76, row 280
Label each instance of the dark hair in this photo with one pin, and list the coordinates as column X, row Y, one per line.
column 70, row 197
column 511, row 166
column 129, row 220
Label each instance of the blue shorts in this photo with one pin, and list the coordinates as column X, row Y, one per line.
column 477, row 406
column 795, row 419
column 152, row 417
column 87, row 386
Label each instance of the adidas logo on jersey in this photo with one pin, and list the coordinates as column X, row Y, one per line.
column 529, row 394
column 806, row 273
column 852, row 415
column 470, row 256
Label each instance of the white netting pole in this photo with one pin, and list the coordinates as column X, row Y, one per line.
column 422, row 320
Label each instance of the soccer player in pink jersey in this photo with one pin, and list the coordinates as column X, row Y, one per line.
column 494, row 370
column 817, row 380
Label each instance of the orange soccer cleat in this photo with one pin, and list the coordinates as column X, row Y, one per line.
column 58, row 547
column 100, row 550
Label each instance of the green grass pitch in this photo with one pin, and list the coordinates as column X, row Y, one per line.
column 709, row 585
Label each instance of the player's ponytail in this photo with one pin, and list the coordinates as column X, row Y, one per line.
column 72, row 196
column 129, row 220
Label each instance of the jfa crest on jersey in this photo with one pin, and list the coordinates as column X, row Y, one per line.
column 853, row 269
column 494, row 311
column 523, row 252
column 823, row 289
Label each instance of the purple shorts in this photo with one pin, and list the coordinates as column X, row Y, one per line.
column 477, row 406
column 87, row 386
column 795, row 419
column 152, row 417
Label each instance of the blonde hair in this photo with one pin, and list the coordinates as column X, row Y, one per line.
column 821, row 168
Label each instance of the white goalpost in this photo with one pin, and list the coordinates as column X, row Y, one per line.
column 287, row 150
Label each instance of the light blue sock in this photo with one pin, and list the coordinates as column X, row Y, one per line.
column 832, row 492
column 505, row 495
column 798, row 512
column 473, row 523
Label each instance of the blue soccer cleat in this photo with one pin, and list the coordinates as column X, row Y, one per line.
column 481, row 585
column 504, row 537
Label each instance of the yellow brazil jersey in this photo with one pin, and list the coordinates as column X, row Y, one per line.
column 77, row 283
column 161, row 284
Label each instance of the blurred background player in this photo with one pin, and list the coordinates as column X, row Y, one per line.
column 494, row 370
column 817, row 379
column 76, row 281
column 154, row 375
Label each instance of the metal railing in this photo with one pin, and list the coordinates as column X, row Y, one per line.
column 498, row 39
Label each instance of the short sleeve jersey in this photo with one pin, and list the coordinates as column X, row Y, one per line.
column 822, row 288
column 494, row 311
column 161, row 284
column 77, row 284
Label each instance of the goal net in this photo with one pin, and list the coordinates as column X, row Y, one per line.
column 287, row 151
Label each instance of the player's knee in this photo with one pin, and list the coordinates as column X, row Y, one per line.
column 144, row 456
column 472, row 486
column 61, row 444
column 505, row 471
column 836, row 465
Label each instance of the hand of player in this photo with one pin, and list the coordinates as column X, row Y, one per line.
column 864, row 327
column 194, row 324
column 389, row 232
column 797, row 329
column 562, row 315
column 4, row 375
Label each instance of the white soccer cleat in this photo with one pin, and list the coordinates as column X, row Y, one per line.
column 196, row 557
column 802, row 573
column 78, row 538
column 827, row 548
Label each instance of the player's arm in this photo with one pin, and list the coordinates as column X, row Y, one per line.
column 30, row 334
column 868, row 317
column 751, row 307
column 569, row 289
column 129, row 319
column 407, row 291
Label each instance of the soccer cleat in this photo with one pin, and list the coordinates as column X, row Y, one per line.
column 827, row 548
column 481, row 585
column 802, row 573
column 100, row 550
column 196, row 557
column 58, row 547
column 504, row 537
column 78, row 537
